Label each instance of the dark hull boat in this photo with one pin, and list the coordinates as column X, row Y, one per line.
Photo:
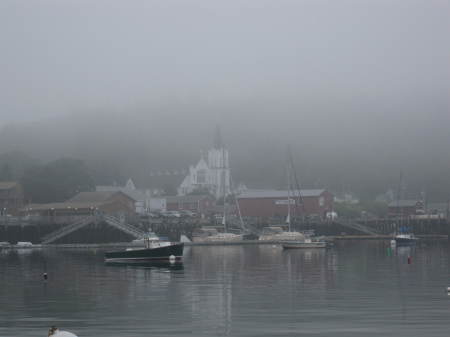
column 170, row 252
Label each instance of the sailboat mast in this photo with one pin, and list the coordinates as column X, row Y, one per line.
column 232, row 192
column 224, row 221
column 400, row 208
column 289, row 196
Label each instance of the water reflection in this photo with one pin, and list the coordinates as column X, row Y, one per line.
column 147, row 265
column 355, row 288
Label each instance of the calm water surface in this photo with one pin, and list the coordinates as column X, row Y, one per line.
column 354, row 289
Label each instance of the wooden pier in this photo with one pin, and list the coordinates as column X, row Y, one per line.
column 99, row 230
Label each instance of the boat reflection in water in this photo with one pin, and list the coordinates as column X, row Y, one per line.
column 149, row 265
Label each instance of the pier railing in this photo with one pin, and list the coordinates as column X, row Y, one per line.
column 123, row 226
column 53, row 236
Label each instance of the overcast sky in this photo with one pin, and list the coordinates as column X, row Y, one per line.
column 317, row 58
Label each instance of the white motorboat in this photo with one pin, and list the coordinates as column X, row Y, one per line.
column 405, row 239
column 55, row 332
column 307, row 243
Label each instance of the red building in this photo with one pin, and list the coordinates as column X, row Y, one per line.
column 406, row 208
column 200, row 204
column 274, row 203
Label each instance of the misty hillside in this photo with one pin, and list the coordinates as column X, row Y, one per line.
column 359, row 89
column 364, row 155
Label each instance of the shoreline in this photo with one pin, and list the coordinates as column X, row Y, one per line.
column 217, row 243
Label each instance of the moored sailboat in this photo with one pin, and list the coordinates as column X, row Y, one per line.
column 403, row 236
column 211, row 234
column 278, row 234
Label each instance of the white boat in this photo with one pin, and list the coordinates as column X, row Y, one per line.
column 4, row 245
column 55, row 332
column 307, row 243
column 224, row 237
column 276, row 233
column 142, row 241
column 211, row 234
column 24, row 244
column 405, row 239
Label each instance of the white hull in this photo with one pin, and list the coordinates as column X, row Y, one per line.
column 303, row 245
column 283, row 236
column 221, row 237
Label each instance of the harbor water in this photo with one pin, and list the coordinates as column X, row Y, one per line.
column 356, row 288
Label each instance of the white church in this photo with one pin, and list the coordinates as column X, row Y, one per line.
column 211, row 174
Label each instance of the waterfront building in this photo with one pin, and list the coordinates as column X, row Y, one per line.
column 346, row 198
column 211, row 174
column 406, row 208
column 199, row 204
column 141, row 197
column 274, row 203
column 157, row 204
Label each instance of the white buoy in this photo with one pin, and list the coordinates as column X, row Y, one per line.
column 172, row 259
column 393, row 243
column 55, row 332
column 59, row 333
column 65, row 334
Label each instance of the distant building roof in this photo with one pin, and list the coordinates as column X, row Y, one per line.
column 7, row 185
column 404, row 203
column 92, row 196
column 187, row 198
column 86, row 197
column 63, row 205
column 83, row 200
column 280, row 193
column 136, row 195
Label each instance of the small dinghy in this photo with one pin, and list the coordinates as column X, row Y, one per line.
column 55, row 332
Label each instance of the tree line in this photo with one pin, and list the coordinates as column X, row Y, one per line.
column 54, row 181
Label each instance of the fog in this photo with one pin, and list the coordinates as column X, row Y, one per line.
column 359, row 89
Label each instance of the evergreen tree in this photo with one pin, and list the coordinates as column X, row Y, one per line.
column 57, row 181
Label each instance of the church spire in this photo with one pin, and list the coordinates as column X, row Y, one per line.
column 218, row 142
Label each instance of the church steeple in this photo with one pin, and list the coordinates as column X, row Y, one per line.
column 218, row 142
